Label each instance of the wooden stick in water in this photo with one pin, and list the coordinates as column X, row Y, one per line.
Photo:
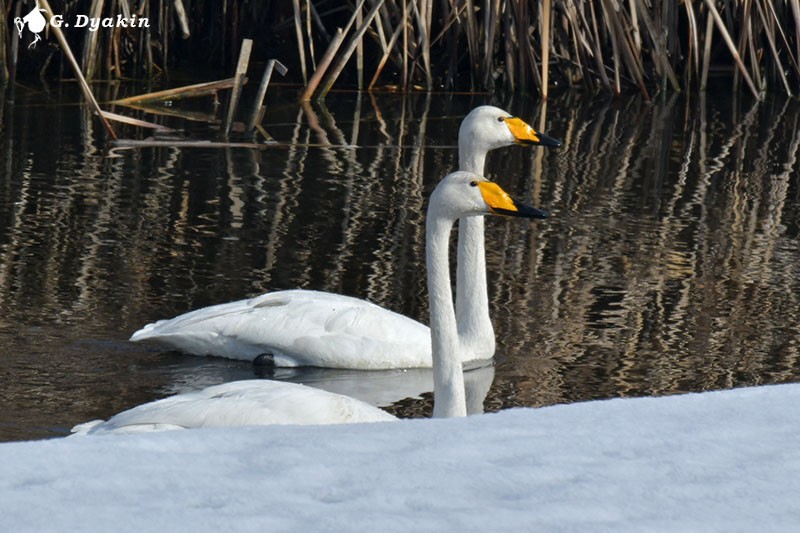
column 239, row 79
column 187, row 91
column 185, row 114
column 258, row 107
column 135, row 121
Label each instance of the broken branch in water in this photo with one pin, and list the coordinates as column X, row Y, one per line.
column 188, row 91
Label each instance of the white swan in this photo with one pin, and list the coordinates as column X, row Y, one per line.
column 259, row 402
column 485, row 128
column 313, row 328
column 460, row 195
column 253, row 402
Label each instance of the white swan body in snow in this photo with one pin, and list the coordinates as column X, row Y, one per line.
column 314, row 328
column 253, row 402
column 258, row 402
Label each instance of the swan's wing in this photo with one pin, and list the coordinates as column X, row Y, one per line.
column 299, row 327
column 100, row 427
column 239, row 403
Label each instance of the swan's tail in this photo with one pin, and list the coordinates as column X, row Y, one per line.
column 85, row 428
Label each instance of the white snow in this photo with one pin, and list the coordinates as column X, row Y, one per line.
column 718, row 461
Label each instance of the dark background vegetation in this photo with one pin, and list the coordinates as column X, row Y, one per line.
column 462, row 45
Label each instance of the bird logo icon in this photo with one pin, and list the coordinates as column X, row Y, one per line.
column 35, row 21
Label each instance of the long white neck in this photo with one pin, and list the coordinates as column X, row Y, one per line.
column 448, row 375
column 472, row 298
column 471, row 157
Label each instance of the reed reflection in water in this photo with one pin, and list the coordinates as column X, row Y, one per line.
column 670, row 263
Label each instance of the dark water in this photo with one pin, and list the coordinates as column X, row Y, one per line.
column 671, row 262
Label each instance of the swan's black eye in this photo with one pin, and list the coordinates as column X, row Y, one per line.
column 500, row 119
column 473, row 183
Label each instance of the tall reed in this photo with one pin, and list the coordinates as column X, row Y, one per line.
column 512, row 45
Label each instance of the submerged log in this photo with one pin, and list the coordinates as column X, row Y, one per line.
column 188, row 91
column 185, row 114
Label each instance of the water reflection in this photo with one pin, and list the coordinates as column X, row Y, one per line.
column 383, row 388
column 671, row 264
column 688, row 277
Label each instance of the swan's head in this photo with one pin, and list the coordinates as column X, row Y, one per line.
column 488, row 127
column 463, row 194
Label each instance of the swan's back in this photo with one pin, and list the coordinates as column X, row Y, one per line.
column 239, row 403
column 298, row 328
column 310, row 328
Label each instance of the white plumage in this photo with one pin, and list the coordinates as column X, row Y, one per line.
column 302, row 327
column 239, row 403
column 460, row 194
column 299, row 328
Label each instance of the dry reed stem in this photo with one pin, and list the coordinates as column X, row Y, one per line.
column 298, row 28
column 183, row 19
column 490, row 27
column 328, row 57
column 311, row 49
column 599, row 52
column 776, row 23
column 796, row 15
column 348, row 51
column 746, row 42
column 360, row 51
column 545, row 46
column 379, row 30
column 87, row 92
column 694, row 47
column 90, row 52
column 660, row 53
column 388, row 50
column 707, row 53
column 489, row 44
column 422, row 17
column 773, row 49
column 405, row 45
column 732, row 47
column 164, row 25
column 324, row 63
column 4, row 73
column 472, row 39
